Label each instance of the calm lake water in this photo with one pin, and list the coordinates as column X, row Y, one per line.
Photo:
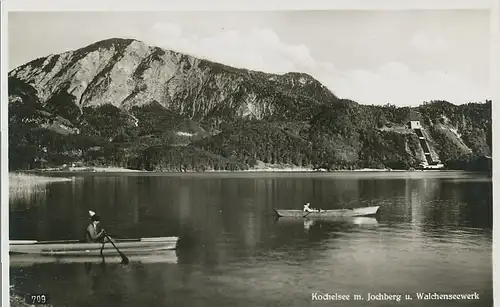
column 433, row 234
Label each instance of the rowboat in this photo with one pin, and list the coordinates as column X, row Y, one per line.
column 75, row 248
column 363, row 211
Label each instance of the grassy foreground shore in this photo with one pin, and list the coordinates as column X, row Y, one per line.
column 16, row 300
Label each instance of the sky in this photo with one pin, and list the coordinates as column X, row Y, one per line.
column 372, row 57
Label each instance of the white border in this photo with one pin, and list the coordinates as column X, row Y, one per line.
column 243, row 5
column 4, row 169
column 233, row 5
column 495, row 91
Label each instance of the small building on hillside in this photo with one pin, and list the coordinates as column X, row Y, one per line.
column 414, row 122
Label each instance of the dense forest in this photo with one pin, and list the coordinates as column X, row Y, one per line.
column 343, row 135
column 209, row 116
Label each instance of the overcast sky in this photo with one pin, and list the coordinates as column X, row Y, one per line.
column 373, row 57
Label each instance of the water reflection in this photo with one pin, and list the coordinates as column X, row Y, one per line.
column 228, row 238
column 223, row 211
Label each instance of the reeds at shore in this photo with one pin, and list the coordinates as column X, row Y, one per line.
column 23, row 185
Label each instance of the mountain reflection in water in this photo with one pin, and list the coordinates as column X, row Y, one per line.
column 433, row 233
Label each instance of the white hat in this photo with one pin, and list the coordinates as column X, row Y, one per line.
column 92, row 213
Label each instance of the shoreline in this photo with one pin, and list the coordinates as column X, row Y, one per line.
column 259, row 167
column 88, row 169
column 252, row 170
column 39, row 173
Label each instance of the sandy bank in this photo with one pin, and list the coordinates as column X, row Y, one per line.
column 270, row 170
column 266, row 169
column 92, row 169
column 260, row 167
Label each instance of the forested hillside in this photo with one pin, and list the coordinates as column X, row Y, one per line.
column 122, row 103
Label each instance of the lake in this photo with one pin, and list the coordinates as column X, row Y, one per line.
column 433, row 234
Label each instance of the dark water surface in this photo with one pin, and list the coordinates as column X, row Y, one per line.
column 433, row 234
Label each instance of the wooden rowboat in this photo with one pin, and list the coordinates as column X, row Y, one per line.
column 75, row 248
column 364, row 211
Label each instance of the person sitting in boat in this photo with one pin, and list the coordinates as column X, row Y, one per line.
column 308, row 209
column 94, row 232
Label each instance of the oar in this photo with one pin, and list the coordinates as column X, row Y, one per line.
column 319, row 210
column 124, row 258
column 102, row 256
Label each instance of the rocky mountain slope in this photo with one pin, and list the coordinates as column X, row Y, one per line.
column 121, row 102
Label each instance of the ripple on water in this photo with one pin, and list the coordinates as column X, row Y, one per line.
column 422, row 239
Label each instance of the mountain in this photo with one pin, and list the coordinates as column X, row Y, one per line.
column 121, row 102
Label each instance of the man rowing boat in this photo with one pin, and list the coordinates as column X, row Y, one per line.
column 94, row 232
column 307, row 209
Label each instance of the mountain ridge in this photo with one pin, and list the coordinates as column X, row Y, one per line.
column 122, row 102
column 151, row 73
